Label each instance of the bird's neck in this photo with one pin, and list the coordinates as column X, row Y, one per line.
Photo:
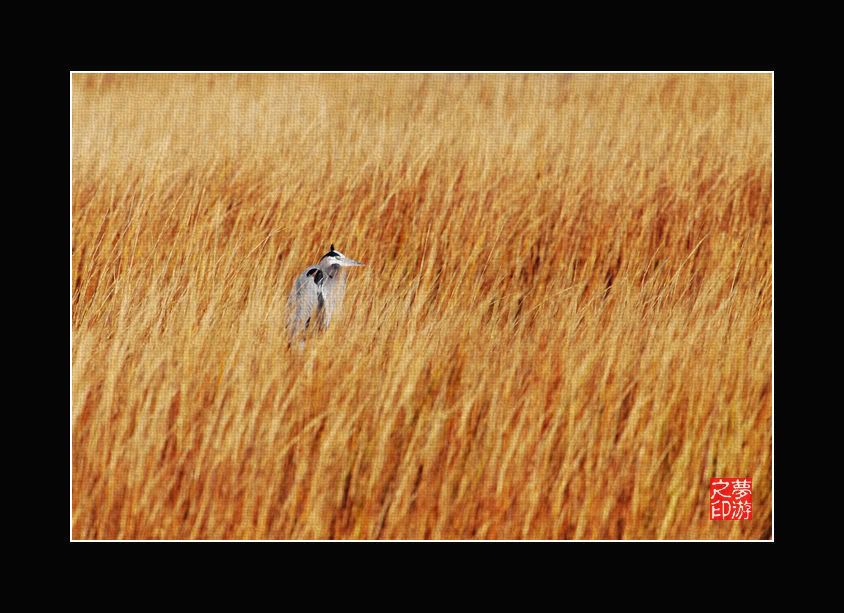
column 331, row 270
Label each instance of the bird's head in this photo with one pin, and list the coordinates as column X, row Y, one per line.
column 335, row 258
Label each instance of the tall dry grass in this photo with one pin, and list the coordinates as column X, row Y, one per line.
column 564, row 327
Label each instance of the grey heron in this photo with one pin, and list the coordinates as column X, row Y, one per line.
column 318, row 293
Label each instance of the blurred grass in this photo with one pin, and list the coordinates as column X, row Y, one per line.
column 563, row 329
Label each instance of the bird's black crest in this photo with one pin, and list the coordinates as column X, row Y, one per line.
column 331, row 253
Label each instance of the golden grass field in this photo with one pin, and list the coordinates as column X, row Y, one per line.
column 562, row 332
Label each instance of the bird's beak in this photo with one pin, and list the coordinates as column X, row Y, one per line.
column 349, row 262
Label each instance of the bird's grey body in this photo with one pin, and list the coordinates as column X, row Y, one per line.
column 317, row 294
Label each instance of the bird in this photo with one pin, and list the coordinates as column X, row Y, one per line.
column 318, row 293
